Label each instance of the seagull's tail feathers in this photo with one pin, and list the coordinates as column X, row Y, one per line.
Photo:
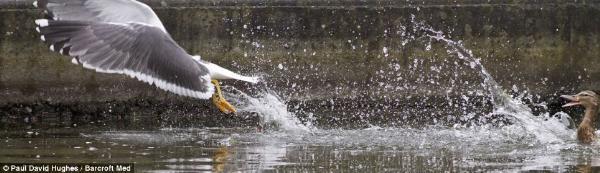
column 218, row 72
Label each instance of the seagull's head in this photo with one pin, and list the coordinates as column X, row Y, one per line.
column 587, row 99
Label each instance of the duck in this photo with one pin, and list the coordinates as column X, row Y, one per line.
column 589, row 100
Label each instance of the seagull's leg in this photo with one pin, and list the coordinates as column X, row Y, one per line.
column 219, row 101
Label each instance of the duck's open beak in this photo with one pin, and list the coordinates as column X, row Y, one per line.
column 574, row 101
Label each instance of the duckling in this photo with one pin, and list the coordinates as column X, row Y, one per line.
column 589, row 100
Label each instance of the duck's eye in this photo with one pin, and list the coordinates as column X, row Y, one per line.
column 584, row 94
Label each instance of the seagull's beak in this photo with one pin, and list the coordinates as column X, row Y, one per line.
column 574, row 100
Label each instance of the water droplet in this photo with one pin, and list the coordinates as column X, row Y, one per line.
column 385, row 52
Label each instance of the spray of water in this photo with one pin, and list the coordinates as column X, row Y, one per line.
column 542, row 128
column 550, row 130
column 270, row 108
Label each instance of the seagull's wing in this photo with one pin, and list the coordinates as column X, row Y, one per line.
column 140, row 51
column 109, row 11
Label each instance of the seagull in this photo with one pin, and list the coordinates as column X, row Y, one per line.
column 589, row 100
column 127, row 37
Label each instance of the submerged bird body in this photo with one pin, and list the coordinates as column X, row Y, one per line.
column 589, row 100
column 127, row 37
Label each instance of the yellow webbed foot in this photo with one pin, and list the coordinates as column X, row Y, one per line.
column 223, row 105
column 219, row 101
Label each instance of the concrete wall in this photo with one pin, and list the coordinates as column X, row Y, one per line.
column 327, row 50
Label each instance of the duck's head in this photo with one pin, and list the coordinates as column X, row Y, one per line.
column 587, row 99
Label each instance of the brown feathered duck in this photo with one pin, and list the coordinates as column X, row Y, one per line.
column 589, row 100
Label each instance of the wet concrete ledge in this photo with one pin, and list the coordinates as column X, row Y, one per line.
column 326, row 50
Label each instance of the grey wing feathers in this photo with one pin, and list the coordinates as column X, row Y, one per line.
column 110, row 11
column 138, row 50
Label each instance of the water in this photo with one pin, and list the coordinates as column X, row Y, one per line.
column 272, row 111
column 508, row 138
column 429, row 149
column 545, row 131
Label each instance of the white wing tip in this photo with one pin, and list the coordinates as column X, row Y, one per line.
column 41, row 22
column 35, row 4
column 37, row 29
column 74, row 61
column 43, row 38
column 52, row 48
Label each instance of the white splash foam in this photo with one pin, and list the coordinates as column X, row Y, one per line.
column 272, row 111
column 545, row 131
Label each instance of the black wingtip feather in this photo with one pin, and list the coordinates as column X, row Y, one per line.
column 48, row 16
column 65, row 51
column 59, row 33
column 41, row 4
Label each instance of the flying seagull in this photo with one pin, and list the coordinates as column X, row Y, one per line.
column 126, row 37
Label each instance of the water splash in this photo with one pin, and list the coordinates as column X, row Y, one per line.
column 550, row 130
column 543, row 128
column 270, row 108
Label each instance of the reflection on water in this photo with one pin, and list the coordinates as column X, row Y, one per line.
column 430, row 149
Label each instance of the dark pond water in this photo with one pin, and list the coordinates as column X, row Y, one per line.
column 426, row 149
